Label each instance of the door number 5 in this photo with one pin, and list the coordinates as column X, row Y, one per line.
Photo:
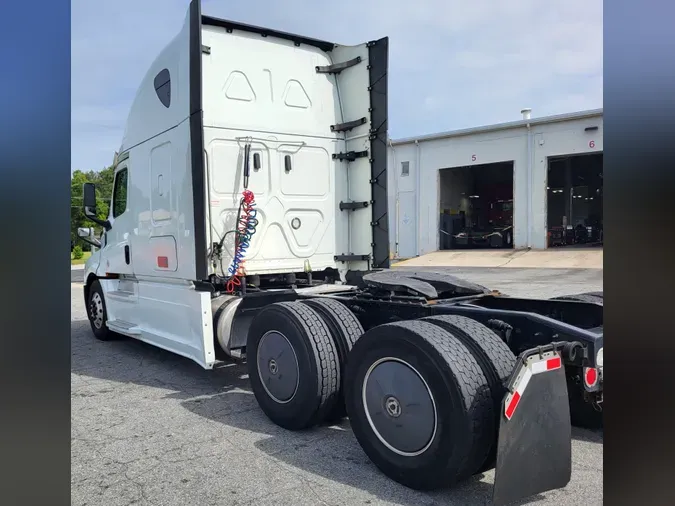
column 473, row 158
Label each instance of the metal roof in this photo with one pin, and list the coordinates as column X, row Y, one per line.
column 502, row 126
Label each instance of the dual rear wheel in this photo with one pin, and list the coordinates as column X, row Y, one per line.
column 296, row 355
column 422, row 396
column 589, row 297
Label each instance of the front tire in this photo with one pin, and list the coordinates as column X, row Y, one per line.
column 98, row 313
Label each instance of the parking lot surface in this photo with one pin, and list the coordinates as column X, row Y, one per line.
column 149, row 427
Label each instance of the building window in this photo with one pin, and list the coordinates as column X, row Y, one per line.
column 120, row 193
column 163, row 87
column 405, row 168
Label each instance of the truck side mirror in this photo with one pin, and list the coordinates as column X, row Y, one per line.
column 84, row 232
column 87, row 235
column 89, row 199
column 89, row 205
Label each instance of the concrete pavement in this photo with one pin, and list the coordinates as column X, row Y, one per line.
column 556, row 258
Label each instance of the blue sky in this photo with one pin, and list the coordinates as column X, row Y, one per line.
column 453, row 63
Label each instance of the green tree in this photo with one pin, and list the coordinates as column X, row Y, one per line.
column 77, row 252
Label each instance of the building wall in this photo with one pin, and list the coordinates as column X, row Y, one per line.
column 427, row 157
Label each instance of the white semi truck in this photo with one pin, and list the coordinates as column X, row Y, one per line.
column 248, row 221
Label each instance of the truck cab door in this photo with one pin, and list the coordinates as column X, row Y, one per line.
column 116, row 254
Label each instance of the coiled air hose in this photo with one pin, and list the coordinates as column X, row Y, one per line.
column 245, row 227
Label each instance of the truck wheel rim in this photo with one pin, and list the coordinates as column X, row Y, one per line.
column 97, row 310
column 399, row 406
column 278, row 367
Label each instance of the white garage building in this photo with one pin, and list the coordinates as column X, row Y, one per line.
column 428, row 180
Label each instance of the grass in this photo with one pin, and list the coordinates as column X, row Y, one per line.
column 82, row 260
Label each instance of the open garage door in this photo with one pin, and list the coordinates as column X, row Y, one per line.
column 574, row 201
column 476, row 207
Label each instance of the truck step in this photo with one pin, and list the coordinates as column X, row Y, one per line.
column 122, row 295
column 349, row 125
column 351, row 206
column 350, row 156
column 124, row 327
column 336, row 68
column 351, row 258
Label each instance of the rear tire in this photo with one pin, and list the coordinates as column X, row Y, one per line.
column 98, row 313
column 345, row 329
column 293, row 365
column 419, row 404
column 495, row 358
column 582, row 297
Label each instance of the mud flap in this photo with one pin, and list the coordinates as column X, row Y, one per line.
column 535, row 433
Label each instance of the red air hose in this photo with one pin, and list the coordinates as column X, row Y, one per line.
column 246, row 225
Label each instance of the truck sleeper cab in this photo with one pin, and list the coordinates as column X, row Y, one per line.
column 249, row 218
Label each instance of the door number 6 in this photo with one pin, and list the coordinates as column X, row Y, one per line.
column 591, row 144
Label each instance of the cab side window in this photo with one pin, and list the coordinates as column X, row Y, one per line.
column 163, row 87
column 120, row 193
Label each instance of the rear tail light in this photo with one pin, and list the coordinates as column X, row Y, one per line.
column 590, row 376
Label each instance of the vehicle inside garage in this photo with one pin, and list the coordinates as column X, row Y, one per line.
column 476, row 206
column 574, row 201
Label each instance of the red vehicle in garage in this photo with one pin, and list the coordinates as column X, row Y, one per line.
column 500, row 214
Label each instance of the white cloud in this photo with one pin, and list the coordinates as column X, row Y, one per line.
column 453, row 63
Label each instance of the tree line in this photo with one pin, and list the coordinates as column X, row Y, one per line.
column 103, row 180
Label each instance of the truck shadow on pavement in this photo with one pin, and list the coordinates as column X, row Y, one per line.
column 321, row 455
